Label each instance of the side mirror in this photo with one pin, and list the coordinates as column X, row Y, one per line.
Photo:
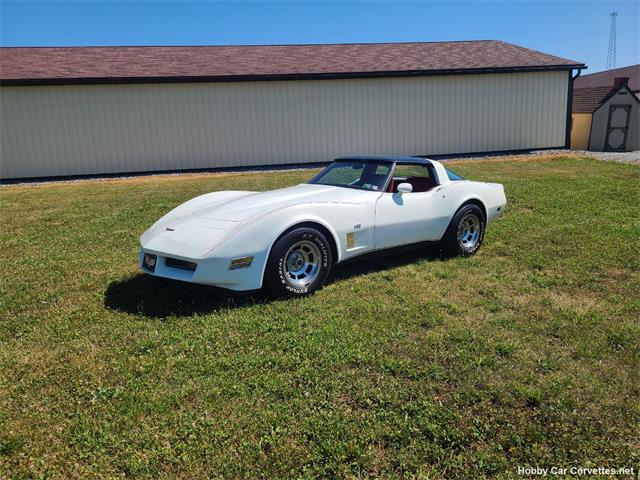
column 405, row 188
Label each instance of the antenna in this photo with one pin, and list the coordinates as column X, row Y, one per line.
column 611, row 54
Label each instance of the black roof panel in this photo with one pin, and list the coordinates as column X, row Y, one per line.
column 389, row 159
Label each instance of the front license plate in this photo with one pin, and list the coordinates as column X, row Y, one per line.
column 149, row 262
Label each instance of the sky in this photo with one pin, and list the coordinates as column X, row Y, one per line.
column 576, row 30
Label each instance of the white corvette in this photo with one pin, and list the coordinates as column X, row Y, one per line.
column 287, row 240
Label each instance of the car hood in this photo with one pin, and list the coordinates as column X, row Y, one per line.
column 196, row 227
column 255, row 204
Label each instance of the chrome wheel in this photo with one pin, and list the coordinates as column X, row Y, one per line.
column 302, row 263
column 469, row 231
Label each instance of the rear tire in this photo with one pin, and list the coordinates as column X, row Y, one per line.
column 465, row 232
column 298, row 264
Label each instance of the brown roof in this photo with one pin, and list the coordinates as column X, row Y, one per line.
column 20, row 65
column 605, row 79
column 587, row 100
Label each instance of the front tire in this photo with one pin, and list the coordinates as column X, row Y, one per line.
column 465, row 232
column 298, row 264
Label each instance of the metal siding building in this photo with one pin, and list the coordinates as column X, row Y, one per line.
column 58, row 129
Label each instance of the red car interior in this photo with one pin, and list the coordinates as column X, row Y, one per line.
column 419, row 184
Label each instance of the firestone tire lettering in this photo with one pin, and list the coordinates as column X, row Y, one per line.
column 275, row 277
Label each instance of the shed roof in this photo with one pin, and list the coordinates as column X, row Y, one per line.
column 62, row 65
column 606, row 78
column 587, row 100
column 591, row 91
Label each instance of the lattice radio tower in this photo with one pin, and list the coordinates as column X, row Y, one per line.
column 611, row 54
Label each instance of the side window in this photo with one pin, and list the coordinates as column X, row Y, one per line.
column 453, row 176
column 418, row 176
column 407, row 171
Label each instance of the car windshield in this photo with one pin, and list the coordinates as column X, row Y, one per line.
column 355, row 174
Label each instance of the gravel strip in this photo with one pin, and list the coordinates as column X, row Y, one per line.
column 621, row 157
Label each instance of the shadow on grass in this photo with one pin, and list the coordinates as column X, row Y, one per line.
column 160, row 298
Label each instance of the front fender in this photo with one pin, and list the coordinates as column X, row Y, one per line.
column 310, row 218
column 258, row 236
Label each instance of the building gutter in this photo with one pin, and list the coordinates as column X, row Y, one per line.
column 281, row 77
column 569, row 121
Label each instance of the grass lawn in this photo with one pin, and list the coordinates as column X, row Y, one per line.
column 407, row 366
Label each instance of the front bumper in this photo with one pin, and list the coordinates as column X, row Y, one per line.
column 213, row 271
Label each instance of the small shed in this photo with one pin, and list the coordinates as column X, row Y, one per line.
column 606, row 111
